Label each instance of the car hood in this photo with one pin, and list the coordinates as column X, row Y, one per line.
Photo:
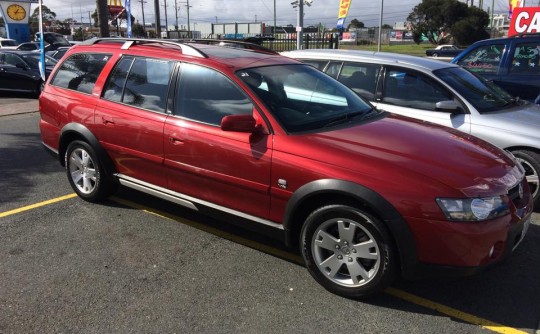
column 401, row 148
column 527, row 114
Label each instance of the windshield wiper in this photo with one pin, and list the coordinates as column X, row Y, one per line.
column 346, row 117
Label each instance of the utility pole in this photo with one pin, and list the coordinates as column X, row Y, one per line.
column 300, row 26
column 143, row 23
column 158, row 18
column 103, row 18
column 188, row 26
column 166, row 22
column 176, row 14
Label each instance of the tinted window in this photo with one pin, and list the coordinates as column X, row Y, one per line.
column 526, row 59
column 207, row 96
column 80, row 71
column 318, row 64
column 147, row 84
column 361, row 78
column 483, row 59
column 414, row 90
column 114, row 89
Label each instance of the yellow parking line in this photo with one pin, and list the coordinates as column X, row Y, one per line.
column 37, row 205
column 492, row 326
column 466, row 317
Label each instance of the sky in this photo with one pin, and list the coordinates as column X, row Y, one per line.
column 229, row 11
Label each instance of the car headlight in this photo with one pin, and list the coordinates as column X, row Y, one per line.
column 472, row 209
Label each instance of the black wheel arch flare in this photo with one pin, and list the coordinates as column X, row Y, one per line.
column 398, row 228
column 77, row 131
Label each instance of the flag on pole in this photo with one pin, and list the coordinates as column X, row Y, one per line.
column 512, row 4
column 342, row 14
column 128, row 13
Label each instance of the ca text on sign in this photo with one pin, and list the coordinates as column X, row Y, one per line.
column 525, row 20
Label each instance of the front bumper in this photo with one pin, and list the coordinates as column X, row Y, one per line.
column 459, row 249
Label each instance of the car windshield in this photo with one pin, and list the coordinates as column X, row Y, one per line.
column 305, row 99
column 483, row 95
column 33, row 60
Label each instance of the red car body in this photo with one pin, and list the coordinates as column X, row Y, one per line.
column 393, row 166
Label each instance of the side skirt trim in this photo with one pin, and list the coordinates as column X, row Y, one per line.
column 185, row 200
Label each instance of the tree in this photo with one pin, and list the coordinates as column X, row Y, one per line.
column 137, row 30
column 472, row 28
column 434, row 19
column 48, row 17
column 355, row 24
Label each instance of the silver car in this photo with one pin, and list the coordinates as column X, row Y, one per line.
column 441, row 93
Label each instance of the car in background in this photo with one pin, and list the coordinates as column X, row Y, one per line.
column 513, row 63
column 58, row 53
column 19, row 71
column 444, row 51
column 28, row 46
column 55, row 40
column 441, row 93
column 7, row 43
column 282, row 148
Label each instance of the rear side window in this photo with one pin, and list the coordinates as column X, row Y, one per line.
column 485, row 59
column 80, row 71
column 361, row 78
column 140, row 82
column 526, row 59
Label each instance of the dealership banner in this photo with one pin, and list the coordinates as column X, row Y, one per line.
column 342, row 14
column 513, row 5
column 525, row 20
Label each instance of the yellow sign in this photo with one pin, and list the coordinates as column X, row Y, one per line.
column 344, row 8
column 16, row 12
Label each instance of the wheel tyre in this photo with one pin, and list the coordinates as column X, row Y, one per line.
column 86, row 174
column 39, row 88
column 531, row 163
column 435, row 55
column 348, row 251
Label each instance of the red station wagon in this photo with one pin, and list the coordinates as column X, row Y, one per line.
column 285, row 149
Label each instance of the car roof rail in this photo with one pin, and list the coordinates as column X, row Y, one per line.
column 129, row 42
column 526, row 34
column 232, row 44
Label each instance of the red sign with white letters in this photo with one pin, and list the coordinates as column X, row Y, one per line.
column 524, row 20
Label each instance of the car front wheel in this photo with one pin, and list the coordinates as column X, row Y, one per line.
column 531, row 163
column 348, row 251
column 85, row 173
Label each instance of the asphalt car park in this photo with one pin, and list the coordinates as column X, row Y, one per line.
column 139, row 264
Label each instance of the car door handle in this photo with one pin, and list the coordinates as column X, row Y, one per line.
column 176, row 141
column 107, row 120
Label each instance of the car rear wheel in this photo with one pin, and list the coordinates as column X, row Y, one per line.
column 85, row 172
column 348, row 251
column 435, row 55
column 531, row 163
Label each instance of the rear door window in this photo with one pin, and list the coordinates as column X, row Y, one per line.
column 140, row 82
column 361, row 78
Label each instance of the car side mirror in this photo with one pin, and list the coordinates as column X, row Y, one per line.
column 447, row 106
column 238, row 123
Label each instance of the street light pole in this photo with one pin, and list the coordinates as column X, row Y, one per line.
column 300, row 26
column 380, row 27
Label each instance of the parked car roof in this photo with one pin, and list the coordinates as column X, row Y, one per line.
column 382, row 57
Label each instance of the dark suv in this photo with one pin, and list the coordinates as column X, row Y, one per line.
column 287, row 150
column 513, row 63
